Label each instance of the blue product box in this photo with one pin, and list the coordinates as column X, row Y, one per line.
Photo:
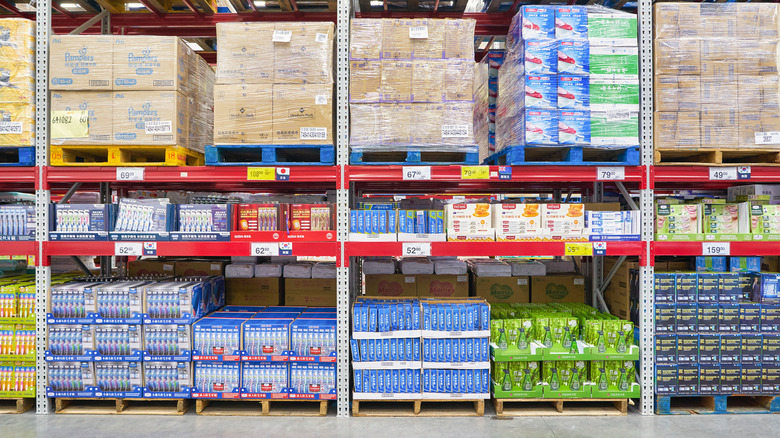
column 541, row 92
column 353, row 223
column 462, row 311
column 573, row 127
column 364, row 350
column 574, row 92
column 455, row 386
column 731, row 349
column 448, row 351
column 416, row 378
column 485, row 349
column 442, row 315
column 665, row 318
column 389, row 380
column 665, row 288
column 470, row 381
column 431, row 221
column 666, row 349
column 427, row 357
column 391, row 221
column 730, row 379
column 402, row 379
column 770, row 379
column 688, row 349
column 709, row 379
column 709, row 349
column 770, row 318
column 361, row 222
column 538, row 22
column 382, row 228
column 386, row 349
column 463, row 347
column 80, row 222
column 688, row 318
column 416, row 349
column 373, row 319
column 410, row 221
column 573, row 57
column 745, row 264
column 746, row 282
column 709, row 288
column 687, row 287
column 571, row 22
column 447, row 381
column 375, row 214
column 441, row 350
column 541, row 57
column 687, row 379
column 728, row 318
column 771, row 349
column 373, row 384
column 355, row 350
column 396, row 381
column 666, row 380
column 477, row 380
column 710, row 264
column 767, row 289
column 394, row 317
column 393, row 349
column 426, row 381
column 455, row 347
column 372, row 349
column 359, row 380
column 448, row 318
column 485, row 381
column 380, row 381
column 730, row 289
column 750, row 318
column 752, row 346
column 415, row 317
column 484, row 317
column 440, row 380
column 708, row 318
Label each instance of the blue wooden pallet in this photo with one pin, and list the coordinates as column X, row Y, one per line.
column 716, row 404
column 17, row 156
column 566, row 156
column 415, row 156
column 267, row 154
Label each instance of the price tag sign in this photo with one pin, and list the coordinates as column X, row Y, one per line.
column 264, row 249
column 716, row 248
column 413, row 249
column 417, row 173
column 130, row 174
column 69, row 124
column 474, row 172
column 128, row 248
column 723, row 173
column 767, row 137
column 578, row 249
column 282, row 36
column 260, row 173
column 611, row 173
column 417, row 32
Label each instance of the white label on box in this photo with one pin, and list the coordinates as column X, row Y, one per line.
column 462, row 278
column 264, row 249
column 579, row 281
column 409, row 279
column 314, row 133
column 416, row 249
column 321, row 38
column 130, row 174
column 723, row 173
column 167, row 267
column 615, row 115
column 716, row 248
column 417, row 172
column 455, row 131
column 767, row 137
column 158, row 127
column 128, row 248
column 418, row 32
column 522, row 281
column 216, row 267
column 282, row 36
column 617, row 173
column 11, row 128
column 321, row 99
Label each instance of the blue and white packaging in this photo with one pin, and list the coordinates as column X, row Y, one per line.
column 538, row 22
column 118, row 342
column 573, row 57
column 198, row 222
column 70, row 342
column 167, row 379
column 80, row 221
column 541, row 57
column 70, row 379
column 17, row 222
column 541, row 127
column 571, row 22
column 214, row 379
column 172, row 341
column 541, row 92
column 573, row 92
column 119, row 379
column 355, row 350
column 573, row 127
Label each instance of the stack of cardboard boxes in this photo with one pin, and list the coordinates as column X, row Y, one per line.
column 132, row 90
column 274, row 84
column 485, row 96
column 17, row 82
column 716, row 75
column 411, row 83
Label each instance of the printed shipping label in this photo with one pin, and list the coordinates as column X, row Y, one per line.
column 282, row 36
column 11, row 128
column 418, row 32
column 158, row 127
column 314, row 133
column 767, row 137
column 459, row 131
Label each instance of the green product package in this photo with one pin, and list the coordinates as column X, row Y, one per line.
column 614, row 94
column 614, row 62
column 614, row 128
column 612, row 28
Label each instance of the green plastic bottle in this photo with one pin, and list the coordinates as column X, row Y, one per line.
column 601, row 344
column 603, row 380
column 527, row 383
column 506, row 384
column 566, row 339
column 522, row 339
column 573, row 348
column 575, row 380
column 621, row 345
column 502, row 339
column 623, row 382
column 547, row 340
column 555, row 383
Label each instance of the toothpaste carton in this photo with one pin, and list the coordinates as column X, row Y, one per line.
column 571, row 22
column 613, row 128
column 726, row 219
column 540, row 57
column 541, row 127
column 612, row 28
column 678, row 219
column 563, row 219
column 614, row 62
column 573, row 92
column 613, row 94
column 541, row 91
column 538, row 22
column 573, row 127
column 573, row 57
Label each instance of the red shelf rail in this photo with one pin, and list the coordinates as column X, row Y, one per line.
column 194, row 249
column 477, row 249
column 18, row 248
column 754, row 248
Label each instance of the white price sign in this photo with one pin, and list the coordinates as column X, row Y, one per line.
column 611, row 173
column 264, row 249
column 723, row 173
column 417, row 172
column 416, row 249
column 130, row 174
column 767, row 137
column 128, row 248
column 716, row 248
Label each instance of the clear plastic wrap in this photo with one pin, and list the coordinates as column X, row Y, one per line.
column 481, row 109
column 17, row 82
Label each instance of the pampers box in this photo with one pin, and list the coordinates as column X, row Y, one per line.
column 541, row 91
column 571, row 22
column 574, row 92
column 541, row 127
column 540, row 57
column 573, row 127
column 573, row 57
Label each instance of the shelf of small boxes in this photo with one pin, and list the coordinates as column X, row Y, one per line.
column 410, row 349
column 717, row 329
column 561, row 350
column 17, row 336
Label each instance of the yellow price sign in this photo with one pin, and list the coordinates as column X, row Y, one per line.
column 578, row 249
column 261, row 173
column 69, row 124
column 475, row 172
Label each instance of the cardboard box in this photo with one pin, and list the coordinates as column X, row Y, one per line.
column 396, row 120
column 676, row 130
column 245, row 53
column 665, row 318
column 396, row 43
column 303, row 114
column 718, row 21
column 100, row 107
column 365, row 81
column 768, row 21
column 143, row 268
column 443, row 286
column 427, row 81
column 677, row 57
column 709, row 379
column 391, row 285
column 558, row 288
column 501, row 289
column 666, row 380
column 666, row 97
column 365, row 39
column 666, row 350
column 150, row 118
column 200, row 269
column 747, row 20
column 666, row 20
column 308, row 57
column 433, row 46
column 22, row 115
column 458, row 80
column 428, row 116
column 688, row 16
column 730, row 379
column 719, row 128
column 458, row 39
column 688, row 93
column 143, row 63
column 253, row 291
column 242, row 114
column 397, row 79
column 314, row 292
column 81, row 62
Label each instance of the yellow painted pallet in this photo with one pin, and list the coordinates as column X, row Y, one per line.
column 124, row 156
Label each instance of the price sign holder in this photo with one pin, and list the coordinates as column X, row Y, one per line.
column 474, row 172
column 125, row 249
column 411, row 173
column 723, row 173
column 129, row 173
column 578, row 249
column 268, row 173
column 416, row 249
column 716, row 248
column 615, row 173
column 264, row 249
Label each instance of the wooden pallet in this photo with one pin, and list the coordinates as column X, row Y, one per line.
column 11, row 405
column 414, row 156
column 418, row 408
column 124, row 156
column 125, row 406
column 272, row 408
column 560, row 406
column 717, row 157
column 717, row 404
column 17, row 156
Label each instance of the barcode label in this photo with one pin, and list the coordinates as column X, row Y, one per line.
column 314, row 133
column 618, row 115
column 767, row 137
column 321, row 99
column 418, row 32
column 158, row 127
column 11, row 128
column 282, row 36
column 459, row 131
column 321, row 38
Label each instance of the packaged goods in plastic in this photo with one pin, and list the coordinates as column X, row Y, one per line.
column 242, row 113
column 17, row 124
column 81, row 62
column 482, row 121
column 302, row 114
column 150, row 118
column 99, row 108
column 18, row 39
column 17, row 82
column 150, row 63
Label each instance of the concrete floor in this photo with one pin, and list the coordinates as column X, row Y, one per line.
column 29, row 425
